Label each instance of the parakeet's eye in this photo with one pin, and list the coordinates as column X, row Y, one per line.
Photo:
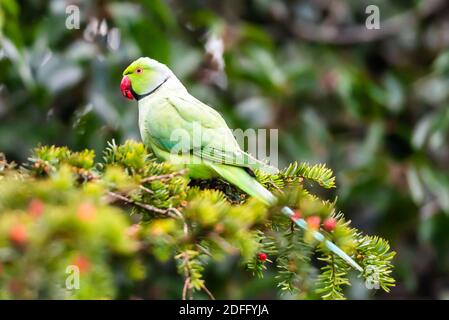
column 139, row 70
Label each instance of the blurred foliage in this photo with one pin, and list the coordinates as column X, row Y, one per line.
column 372, row 105
column 60, row 211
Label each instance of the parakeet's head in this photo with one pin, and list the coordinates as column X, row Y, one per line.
column 142, row 77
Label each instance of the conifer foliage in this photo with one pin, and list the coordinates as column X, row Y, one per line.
column 62, row 209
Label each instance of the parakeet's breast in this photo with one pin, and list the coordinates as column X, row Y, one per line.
column 151, row 120
column 161, row 125
column 160, row 128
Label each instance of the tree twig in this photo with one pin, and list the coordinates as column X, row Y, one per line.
column 164, row 176
column 142, row 205
column 146, row 189
column 181, row 216
column 223, row 243
column 211, row 296
column 185, row 287
column 204, row 250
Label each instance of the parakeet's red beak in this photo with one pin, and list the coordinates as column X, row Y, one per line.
column 125, row 87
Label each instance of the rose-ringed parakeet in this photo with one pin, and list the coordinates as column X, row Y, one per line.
column 180, row 129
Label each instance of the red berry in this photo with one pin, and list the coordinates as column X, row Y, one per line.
column 219, row 228
column 329, row 224
column 297, row 215
column 133, row 230
column 262, row 256
column 18, row 234
column 82, row 263
column 313, row 222
column 86, row 211
column 329, row 81
column 35, row 208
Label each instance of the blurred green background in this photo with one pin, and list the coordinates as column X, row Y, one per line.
column 373, row 105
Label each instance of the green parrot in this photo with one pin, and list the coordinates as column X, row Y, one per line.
column 182, row 130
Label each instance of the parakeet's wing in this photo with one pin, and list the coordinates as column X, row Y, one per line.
column 209, row 136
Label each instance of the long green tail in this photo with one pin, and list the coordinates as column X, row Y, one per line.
column 244, row 181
